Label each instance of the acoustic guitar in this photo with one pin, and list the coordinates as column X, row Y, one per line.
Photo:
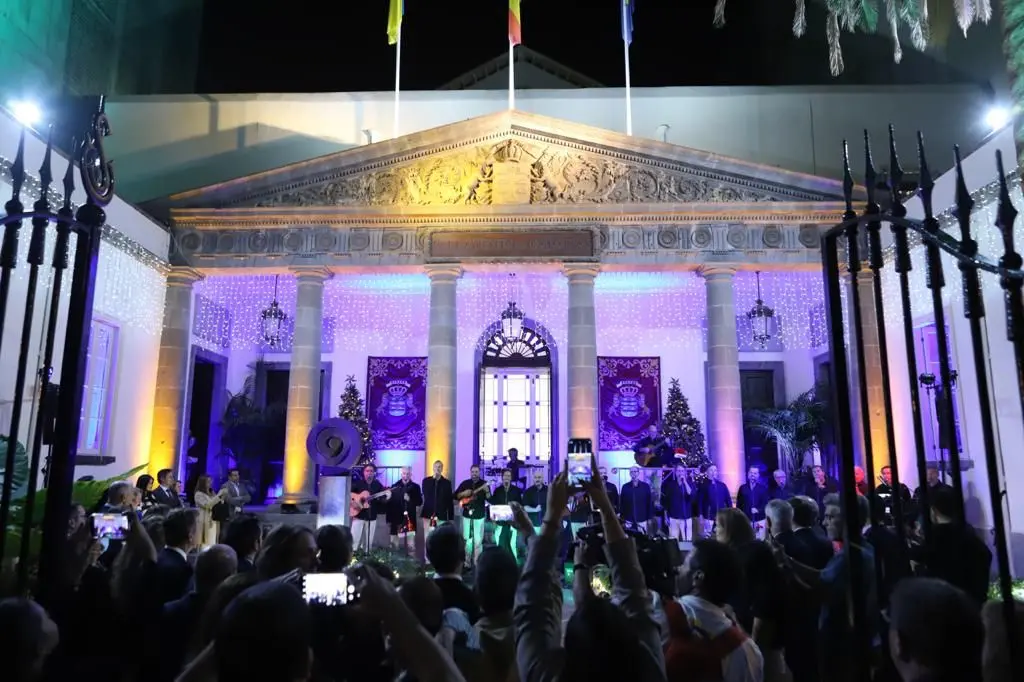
column 647, row 455
column 361, row 501
column 468, row 500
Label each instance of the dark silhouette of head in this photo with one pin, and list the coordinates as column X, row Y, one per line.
column 446, row 551
column 495, row 581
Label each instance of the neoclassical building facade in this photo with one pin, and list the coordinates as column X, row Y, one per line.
column 563, row 206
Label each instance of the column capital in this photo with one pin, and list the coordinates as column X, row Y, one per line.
column 715, row 271
column 443, row 273
column 311, row 273
column 581, row 272
column 180, row 276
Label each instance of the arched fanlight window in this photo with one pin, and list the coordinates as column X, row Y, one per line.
column 528, row 349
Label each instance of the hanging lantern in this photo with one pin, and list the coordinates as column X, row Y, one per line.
column 512, row 322
column 273, row 319
column 760, row 317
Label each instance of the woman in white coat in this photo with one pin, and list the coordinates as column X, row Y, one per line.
column 206, row 500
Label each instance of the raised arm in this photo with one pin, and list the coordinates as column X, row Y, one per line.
column 537, row 614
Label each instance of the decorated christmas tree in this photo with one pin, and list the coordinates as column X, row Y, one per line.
column 679, row 424
column 352, row 409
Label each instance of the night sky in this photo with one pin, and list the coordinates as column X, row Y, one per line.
column 341, row 45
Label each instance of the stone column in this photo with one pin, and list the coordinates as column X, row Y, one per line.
column 725, row 407
column 442, row 368
column 304, row 383
column 172, row 371
column 876, row 418
column 582, row 351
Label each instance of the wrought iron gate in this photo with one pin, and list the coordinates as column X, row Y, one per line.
column 86, row 223
column 843, row 248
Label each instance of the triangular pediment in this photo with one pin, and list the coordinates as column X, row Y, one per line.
column 512, row 158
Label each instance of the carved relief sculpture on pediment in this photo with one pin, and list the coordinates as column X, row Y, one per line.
column 557, row 175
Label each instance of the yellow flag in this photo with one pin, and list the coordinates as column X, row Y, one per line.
column 395, row 12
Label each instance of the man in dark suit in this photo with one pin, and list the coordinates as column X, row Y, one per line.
column 814, row 544
column 172, row 571
column 884, row 493
column 820, row 487
column 713, row 495
column 781, row 490
column 636, row 506
column 613, row 490
column 953, row 551
column 799, row 627
column 446, row 553
column 438, row 500
column 507, row 493
column 164, row 493
column 751, row 499
column 933, row 480
column 401, row 511
column 535, row 501
column 179, row 619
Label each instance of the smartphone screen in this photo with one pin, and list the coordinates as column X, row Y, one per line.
column 109, row 526
column 501, row 512
column 328, row 589
column 580, row 451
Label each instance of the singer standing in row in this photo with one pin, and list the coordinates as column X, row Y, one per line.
column 401, row 511
column 472, row 495
column 677, row 499
column 507, row 493
column 438, row 500
column 535, row 501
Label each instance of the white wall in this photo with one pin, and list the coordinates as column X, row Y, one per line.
column 167, row 144
column 979, row 170
column 129, row 294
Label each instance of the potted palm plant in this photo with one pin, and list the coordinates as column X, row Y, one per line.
column 795, row 429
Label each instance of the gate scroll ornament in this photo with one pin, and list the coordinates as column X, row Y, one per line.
column 97, row 176
column 847, row 239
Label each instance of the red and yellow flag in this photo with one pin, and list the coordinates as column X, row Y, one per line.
column 515, row 25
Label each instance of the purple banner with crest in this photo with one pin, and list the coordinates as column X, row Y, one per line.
column 630, row 400
column 396, row 402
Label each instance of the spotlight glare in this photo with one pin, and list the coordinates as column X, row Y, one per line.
column 998, row 118
column 27, row 113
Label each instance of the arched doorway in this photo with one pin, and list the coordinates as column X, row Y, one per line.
column 516, row 396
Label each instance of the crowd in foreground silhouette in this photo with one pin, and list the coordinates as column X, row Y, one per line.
column 738, row 609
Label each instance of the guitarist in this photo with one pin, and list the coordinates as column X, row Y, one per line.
column 364, row 525
column 472, row 494
column 401, row 513
column 653, row 450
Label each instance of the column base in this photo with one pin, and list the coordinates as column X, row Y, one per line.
column 295, row 503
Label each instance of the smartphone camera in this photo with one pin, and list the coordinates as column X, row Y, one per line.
column 580, row 452
column 328, row 589
column 109, row 526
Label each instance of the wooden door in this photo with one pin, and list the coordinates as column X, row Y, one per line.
column 757, row 388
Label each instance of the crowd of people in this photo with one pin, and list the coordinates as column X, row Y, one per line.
column 160, row 606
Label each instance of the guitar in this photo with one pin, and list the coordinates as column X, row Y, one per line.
column 360, row 501
column 649, row 453
column 468, row 500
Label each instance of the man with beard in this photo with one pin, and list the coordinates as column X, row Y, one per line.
column 752, row 498
column 506, row 494
column 472, row 495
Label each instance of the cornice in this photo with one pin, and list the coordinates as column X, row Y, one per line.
column 823, row 213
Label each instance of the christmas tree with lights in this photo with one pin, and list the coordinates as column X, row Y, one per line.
column 685, row 430
column 352, row 409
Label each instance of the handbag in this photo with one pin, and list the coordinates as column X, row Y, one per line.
column 220, row 512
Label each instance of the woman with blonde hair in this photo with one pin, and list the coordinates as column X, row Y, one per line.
column 206, row 500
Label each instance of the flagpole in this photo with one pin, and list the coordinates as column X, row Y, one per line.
column 625, row 50
column 398, row 76
column 511, row 75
